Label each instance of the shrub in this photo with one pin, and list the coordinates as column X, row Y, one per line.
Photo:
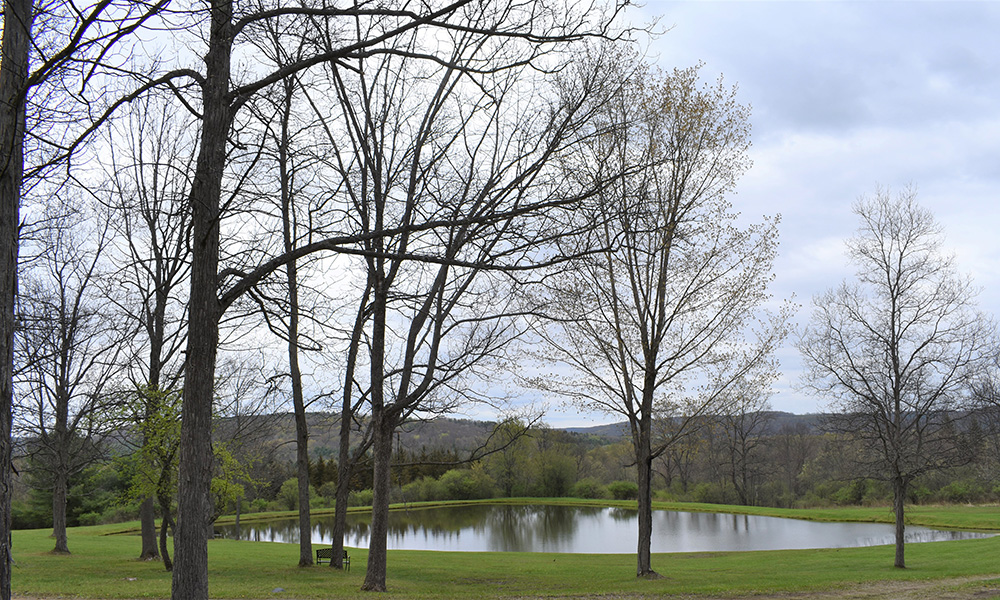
column 90, row 518
column 623, row 490
column 588, row 487
column 360, row 498
column 466, row 484
column 422, row 490
column 708, row 493
column 328, row 489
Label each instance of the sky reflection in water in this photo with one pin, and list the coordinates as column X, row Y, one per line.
column 583, row 530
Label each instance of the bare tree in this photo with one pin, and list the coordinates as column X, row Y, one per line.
column 744, row 421
column 67, row 351
column 657, row 327
column 300, row 216
column 148, row 171
column 41, row 46
column 448, row 171
column 344, row 33
column 894, row 348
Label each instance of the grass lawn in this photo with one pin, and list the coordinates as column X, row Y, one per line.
column 103, row 565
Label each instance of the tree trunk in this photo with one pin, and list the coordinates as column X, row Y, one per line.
column 345, row 464
column 147, row 518
column 59, row 492
column 298, row 401
column 305, row 525
column 17, row 20
column 165, row 523
column 645, row 501
column 383, row 428
column 343, row 490
column 194, row 507
column 898, row 500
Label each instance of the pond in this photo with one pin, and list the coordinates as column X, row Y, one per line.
column 587, row 530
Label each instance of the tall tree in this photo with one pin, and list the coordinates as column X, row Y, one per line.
column 674, row 295
column 147, row 170
column 895, row 347
column 17, row 17
column 64, row 35
column 67, row 349
column 341, row 33
column 448, row 168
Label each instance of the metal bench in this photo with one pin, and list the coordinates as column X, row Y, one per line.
column 326, row 555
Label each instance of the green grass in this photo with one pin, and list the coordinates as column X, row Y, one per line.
column 104, row 566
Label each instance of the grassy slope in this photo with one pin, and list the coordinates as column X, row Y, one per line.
column 104, row 566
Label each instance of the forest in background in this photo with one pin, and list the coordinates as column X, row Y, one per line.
column 784, row 460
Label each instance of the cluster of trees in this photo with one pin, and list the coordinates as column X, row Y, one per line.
column 395, row 196
column 782, row 460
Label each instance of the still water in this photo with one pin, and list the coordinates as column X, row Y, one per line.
column 587, row 530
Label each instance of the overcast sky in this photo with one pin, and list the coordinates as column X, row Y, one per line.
column 847, row 96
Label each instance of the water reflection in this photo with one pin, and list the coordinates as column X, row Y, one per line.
column 583, row 530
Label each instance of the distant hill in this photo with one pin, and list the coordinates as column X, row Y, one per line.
column 780, row 421
column 461, row 435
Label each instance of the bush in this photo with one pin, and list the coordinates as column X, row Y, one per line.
column 588, row 487
column 423, row 490
column 328, row 490
column 708, row 493
column 466, row 484
column 90, row 518
column 623, row 490
column 360, row 498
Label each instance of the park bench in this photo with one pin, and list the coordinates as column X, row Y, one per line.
column 326, row 555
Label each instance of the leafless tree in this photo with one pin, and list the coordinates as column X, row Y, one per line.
column 300, row 216
column 744, row 421
column 219, row 96
column 894, row 349
column 66, row 349
column 659, row 328
column 449, row 170
column 148, row 170
column 43, row 48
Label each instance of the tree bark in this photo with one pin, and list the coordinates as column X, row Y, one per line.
column 147, row 518
column 194, row 507
column 344, row 468
column 13, row 75
column 377, row 548
column 644, row 464
column 898, row 500
column 165, row 522
column 59, row 492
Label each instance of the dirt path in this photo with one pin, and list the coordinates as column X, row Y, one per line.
column 985, row 587
column 964, row 588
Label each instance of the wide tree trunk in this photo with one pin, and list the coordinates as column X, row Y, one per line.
column 13, row 74
column 898, row 500
column 377, row 547
column 147, row 520
column 194, row 507
column 59, row 493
